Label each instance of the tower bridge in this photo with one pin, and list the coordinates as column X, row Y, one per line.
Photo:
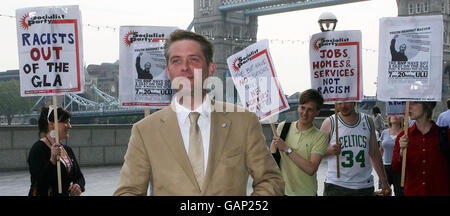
column 231, row 25
column 267, row 7
column 88, row 110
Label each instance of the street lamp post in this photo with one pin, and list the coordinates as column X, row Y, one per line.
column 327, row 22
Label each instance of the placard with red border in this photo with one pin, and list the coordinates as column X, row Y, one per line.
column 62, row 90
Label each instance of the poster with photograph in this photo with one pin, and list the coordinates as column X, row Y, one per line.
column 410, row 58
column 336, row 67
column 50, row 48
column 256, row 82
column 142, row 77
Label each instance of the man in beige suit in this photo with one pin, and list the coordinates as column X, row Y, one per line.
column 197, row 146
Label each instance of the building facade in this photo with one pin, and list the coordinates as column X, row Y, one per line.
column 104, row 77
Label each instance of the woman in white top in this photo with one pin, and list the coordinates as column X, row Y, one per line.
column 387, row 140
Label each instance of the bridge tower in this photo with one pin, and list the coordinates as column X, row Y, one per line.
column 229, row 32
column 232, row 25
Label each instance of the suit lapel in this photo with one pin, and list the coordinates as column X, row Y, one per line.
column 220, row 127
column 170, row 131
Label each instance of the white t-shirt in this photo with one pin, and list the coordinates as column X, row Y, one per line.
column 388, row 142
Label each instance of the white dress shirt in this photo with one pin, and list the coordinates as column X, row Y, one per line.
column 204, row 123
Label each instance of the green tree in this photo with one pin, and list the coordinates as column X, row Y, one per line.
column 11, row 102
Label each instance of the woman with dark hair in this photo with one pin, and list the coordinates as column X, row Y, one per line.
column 43, row 158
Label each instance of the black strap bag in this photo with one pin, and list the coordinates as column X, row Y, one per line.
column 283, row 136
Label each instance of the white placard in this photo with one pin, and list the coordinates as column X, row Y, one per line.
column 396, row 108
column 256, row 82
column 410, row 58
column 336, row 67
column 142, row 77
column 50, row 50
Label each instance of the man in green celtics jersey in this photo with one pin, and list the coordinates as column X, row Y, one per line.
column 305, row 145
column 357, row 150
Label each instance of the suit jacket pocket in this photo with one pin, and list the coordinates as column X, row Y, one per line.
column 232, row 154
column 232, row 161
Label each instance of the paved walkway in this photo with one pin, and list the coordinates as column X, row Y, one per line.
column 102, row 181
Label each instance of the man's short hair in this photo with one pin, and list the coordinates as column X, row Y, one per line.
column 448, row 103
column 207, row 47
column 311, row 95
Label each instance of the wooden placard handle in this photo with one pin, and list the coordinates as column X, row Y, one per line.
column 338, row 169
column 405, row 128
column 58, row 161
column 146, row 112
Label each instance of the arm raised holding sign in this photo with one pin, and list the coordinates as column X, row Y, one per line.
column 358, row 152
column 304, row 145
column 333, row 149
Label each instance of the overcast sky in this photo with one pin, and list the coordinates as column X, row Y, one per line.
column 289, row 33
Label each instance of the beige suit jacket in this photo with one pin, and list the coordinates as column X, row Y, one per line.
column 156, row 155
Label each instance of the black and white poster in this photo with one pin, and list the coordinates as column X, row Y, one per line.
column 410, row 58
column 142, row 77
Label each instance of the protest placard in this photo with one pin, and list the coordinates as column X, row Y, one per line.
column 256, row 82
column 259, row 90
column 50, row 47
column 142, row 77
column 335, row 63
column 410, row 63
column 336, row 69
column 395, row 108
column 410, row 58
